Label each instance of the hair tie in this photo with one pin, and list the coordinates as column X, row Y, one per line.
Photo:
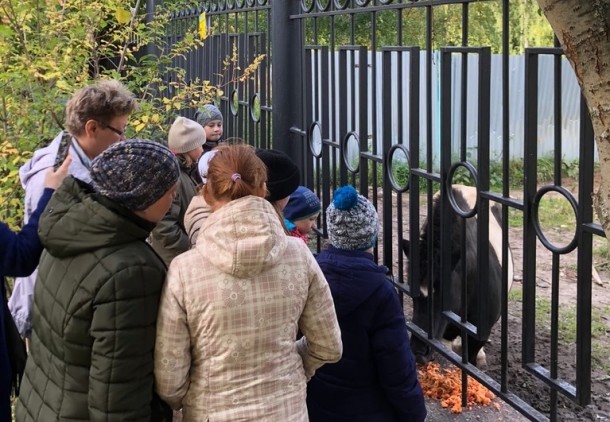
column 235, row 176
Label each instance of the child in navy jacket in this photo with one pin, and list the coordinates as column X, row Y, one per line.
column 376, row 379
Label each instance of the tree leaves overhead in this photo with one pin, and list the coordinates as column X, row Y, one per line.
column 49, row 49
column 407, row 27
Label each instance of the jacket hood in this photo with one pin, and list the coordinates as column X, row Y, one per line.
column 243, row 238
column 353, row 276
column 44, row 158
column 41, row 160
column 77, row 220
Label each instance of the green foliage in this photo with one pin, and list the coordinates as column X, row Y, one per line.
column 11, row 205
column 546, row 172
column 567, row 326
column 50, row 49
column 600, row 254
column 553, row 212
column 528, row 27
column 515, row 295
column 567, row 329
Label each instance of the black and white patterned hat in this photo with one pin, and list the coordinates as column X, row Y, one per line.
column 351, row 221
column 135, row 173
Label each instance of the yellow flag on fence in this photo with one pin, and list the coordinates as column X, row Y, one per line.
column 203, row 27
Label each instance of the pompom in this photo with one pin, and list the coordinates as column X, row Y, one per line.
column 346, row 197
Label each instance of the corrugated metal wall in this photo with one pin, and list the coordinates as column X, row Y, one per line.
column 570, row 105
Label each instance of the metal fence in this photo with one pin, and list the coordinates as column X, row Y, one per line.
column 313, row 97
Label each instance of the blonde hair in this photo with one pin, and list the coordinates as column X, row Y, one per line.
column 185, row 160
column 101, row 101
column 235, row 172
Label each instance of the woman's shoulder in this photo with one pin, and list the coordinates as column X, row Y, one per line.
column 297, row 250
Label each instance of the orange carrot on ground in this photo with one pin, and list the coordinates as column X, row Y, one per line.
column 445, row 385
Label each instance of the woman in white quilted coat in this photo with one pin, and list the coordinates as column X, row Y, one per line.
column 232, row 307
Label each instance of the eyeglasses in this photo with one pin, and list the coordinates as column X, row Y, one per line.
column 115, row 130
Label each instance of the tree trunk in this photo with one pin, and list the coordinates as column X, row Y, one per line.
column 582, row 29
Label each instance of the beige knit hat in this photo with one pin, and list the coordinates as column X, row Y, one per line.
column 185, row 135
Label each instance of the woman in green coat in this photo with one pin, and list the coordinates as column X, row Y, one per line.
column 98, row 289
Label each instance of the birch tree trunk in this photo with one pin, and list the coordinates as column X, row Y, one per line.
column 582, row 27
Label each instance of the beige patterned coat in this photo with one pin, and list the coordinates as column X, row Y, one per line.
column 229, row 316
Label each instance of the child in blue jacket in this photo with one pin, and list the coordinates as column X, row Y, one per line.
column 376, row 379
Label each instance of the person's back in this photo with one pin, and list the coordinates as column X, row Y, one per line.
column 282, row 180
column 229, row 315
column 376, row 378
column 185, row 139
column 97, row 293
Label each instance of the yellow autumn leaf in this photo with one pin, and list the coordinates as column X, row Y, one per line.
column 155, row 118
column 203, row 27
column 122, row 15
column 140, row 127
column 63, row 85
column 145, row 119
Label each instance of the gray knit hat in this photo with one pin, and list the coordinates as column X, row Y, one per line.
column 135, row 173
column 351, row 221
column 207, row 113
column 185, row 135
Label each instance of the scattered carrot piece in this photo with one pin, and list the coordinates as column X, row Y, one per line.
column 445, row 385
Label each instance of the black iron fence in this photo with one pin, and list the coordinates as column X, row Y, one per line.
column 365, row 92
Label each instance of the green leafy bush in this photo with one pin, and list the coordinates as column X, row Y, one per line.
column 50, row 49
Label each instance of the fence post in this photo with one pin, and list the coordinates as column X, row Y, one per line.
column 286, row 79
column 150, row 16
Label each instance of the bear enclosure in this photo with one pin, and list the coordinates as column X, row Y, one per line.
column 405, row 98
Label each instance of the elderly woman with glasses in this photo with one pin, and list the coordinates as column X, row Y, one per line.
column 96, row 117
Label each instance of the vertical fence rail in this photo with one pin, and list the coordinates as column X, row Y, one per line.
column 533, row 232
column 239, row 33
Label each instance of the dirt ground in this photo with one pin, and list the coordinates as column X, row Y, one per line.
column 521, row 382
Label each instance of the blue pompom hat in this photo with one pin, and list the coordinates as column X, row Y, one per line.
column 351, row 221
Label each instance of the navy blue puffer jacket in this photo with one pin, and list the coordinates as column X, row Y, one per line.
column 376, row 378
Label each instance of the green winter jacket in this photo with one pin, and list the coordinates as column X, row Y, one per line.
column 169, row 238
column 94, row 316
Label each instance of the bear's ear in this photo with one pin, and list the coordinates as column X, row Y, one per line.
column 405, row 247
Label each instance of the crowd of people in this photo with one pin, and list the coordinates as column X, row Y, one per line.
column 175, row 281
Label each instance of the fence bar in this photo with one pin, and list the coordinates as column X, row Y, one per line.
column 286, row 78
